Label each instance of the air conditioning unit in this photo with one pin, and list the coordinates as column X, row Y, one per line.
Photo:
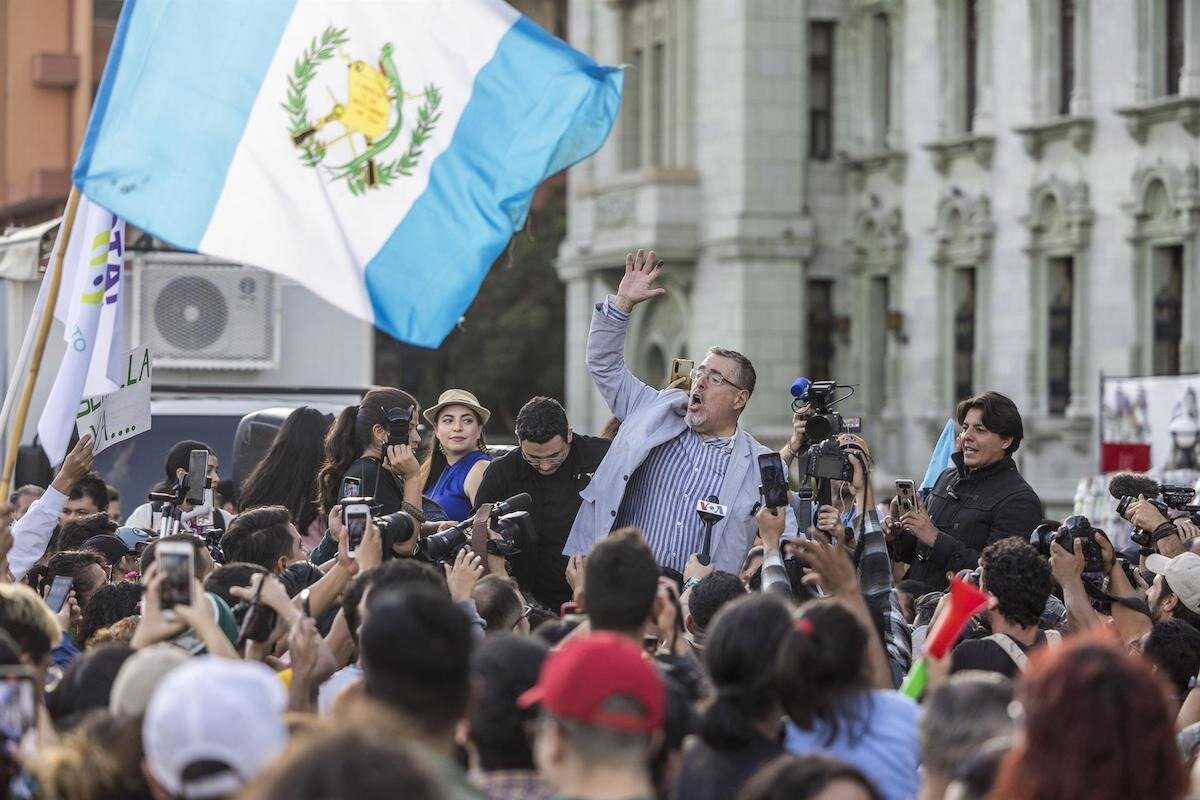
column 198, row 314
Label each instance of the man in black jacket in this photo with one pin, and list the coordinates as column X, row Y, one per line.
column 553, row 464
column 980, row 500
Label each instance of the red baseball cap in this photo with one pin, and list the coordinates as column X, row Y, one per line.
column 579, row 677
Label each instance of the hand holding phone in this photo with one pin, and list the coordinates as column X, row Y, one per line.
column 176, row 565
column 355, row 516
column 59, row 590
column 681, row 368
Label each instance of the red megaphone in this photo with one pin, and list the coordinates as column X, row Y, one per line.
column 965, row 600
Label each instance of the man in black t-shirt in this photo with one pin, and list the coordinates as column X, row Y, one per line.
column 553, row 464
column 1011, row 571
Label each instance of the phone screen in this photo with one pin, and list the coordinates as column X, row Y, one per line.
column 197, row 476
column 18, row 703
column 351, row 487
column 906, row 496
column 773, row 479
column 356, row 525
column 58, row 592
column 176, row 567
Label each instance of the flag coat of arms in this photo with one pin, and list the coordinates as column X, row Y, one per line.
column 381, row 153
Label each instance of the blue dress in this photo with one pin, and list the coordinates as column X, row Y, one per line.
column 448, row 491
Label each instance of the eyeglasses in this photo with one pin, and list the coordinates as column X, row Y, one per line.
column 548, row 461
column 526, row 609
column 714, row 378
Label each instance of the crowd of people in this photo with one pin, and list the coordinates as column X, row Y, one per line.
column 557, row 621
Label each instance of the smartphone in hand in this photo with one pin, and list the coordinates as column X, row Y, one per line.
column 176, row 563
column 906, row 496
column 773, row 480
column 59, row 590
column 356, row 516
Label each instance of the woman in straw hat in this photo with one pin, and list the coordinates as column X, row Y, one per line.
column 452, row 472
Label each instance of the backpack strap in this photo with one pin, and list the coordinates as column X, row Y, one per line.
column 1053, row 638
column 1010, row 648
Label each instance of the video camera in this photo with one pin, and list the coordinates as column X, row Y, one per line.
column 510, row 519
column 824, row 422
column 1126, row 487
column 395, row 528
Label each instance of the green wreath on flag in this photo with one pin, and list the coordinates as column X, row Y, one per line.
column 372, row 94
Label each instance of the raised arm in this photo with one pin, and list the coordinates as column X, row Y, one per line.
column 621, row 390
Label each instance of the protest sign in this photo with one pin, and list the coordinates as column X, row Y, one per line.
column 124, row 413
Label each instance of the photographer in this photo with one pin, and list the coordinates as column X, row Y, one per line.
column 1128, row 612
column 1019, row 580
column 673, row 448
column 978, row 501
column 553, row 465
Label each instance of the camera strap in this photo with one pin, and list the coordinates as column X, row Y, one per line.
column 479, row 533
column 1132, row 603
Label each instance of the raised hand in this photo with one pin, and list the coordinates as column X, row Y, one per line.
column 637, row 285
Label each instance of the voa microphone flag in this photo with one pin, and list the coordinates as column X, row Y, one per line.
column 380, row 153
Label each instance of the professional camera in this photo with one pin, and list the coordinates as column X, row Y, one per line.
column 819, row 396
column 510, row 519
column 399, row 421
column 1076, row 527
column 1126, row 487
column 828, row 461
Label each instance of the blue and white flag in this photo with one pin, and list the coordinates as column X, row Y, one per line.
column 380, row 153
column 89, row 305
column 942, row 451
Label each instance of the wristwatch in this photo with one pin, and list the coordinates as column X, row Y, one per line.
column 691, row 582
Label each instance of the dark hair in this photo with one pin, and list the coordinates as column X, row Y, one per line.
column 77, row 531
column 150, row 552
column 260, row 536
column 227, row 576
column 227, row 492
column 503, row 668
column 710, row 594
column 821, row 671
column 113, row 494
column 396, row 573
column 791, row 777
column 621, row 577
column 914, row 588
column 999, row 414
column 93, row 486
column 746, row 376
column 346, row 762
column 497, row 600
column 743, row 632
column 541, row 419
column 1174, row 646
column 179, row 458
column 554, row 631
column 75, row 563
column 110, row 604
column 86, row 684
column 287, row 474
column 1071, row 696
column 1020, row 579
column 415, row 651
column 351, row 435
column 1180, row 612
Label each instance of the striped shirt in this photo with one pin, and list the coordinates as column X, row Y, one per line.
column 661, row 497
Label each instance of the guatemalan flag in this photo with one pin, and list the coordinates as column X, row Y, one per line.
column 381, row 152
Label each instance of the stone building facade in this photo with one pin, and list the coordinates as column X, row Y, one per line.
column 926, row 198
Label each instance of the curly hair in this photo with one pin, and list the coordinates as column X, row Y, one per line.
column 1018, row 577
column 1074, row 697
column 109, row 605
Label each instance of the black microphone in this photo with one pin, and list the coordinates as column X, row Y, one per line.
column 518, row 502
column 711, row 512
column 1129, row 484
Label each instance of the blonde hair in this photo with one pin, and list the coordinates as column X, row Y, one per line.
column 20, row 607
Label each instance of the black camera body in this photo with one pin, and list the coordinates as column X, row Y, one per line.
column 1064, row 534
column 399, row 423
column 825, row 422
column 826, row 460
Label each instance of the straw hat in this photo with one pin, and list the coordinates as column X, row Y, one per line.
column 457, row 397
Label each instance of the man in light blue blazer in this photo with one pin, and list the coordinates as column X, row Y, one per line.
column 674, row 448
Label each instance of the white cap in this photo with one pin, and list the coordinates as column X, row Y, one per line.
column 1182, row 574
column 214, row 709
column 140, row 675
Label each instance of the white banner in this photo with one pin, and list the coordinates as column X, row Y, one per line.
column 124, row 413
column 89, row 306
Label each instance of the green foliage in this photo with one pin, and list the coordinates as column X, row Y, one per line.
column 511, row 345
